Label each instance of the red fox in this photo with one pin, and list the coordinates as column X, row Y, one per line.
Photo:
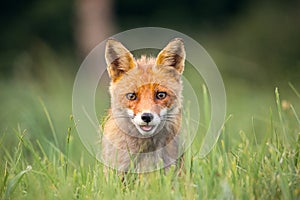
column 142, row 126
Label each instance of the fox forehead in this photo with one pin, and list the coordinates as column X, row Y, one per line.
column 145, row 62
column 146, row 72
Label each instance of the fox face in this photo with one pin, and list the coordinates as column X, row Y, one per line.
column 146, row 92
column 148, row 106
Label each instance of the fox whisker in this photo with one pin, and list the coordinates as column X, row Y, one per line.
column 121, row 117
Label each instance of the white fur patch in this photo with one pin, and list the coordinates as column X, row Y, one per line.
column 130, row 113
column 163, row 112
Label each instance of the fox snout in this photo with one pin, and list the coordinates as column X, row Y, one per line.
column 147, row 117
column 146, row 122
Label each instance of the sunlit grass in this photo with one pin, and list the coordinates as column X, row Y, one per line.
column 258, row 163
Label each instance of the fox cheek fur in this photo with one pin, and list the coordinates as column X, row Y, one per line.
column 145, row 112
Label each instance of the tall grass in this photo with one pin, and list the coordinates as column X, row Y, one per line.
column 258, row 163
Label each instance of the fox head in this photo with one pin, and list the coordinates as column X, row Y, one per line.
column 146, row 92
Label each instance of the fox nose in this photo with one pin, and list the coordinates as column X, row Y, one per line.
column 147, row 117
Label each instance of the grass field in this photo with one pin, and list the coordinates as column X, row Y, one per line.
column 256, row 157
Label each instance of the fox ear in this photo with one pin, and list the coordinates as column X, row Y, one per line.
column 172, row 55
column 118, row 59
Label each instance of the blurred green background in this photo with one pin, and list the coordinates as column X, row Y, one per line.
column 255, row 45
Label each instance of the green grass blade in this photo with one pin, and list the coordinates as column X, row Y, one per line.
column 295, row 114
column 278, row 103
column 12, row 184
column 4, row 179
column 50, row 122
column 294, row 90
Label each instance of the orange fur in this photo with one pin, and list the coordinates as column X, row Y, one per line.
column 122, row 143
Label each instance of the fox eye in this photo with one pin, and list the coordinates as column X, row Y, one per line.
column 131, row 96
column 161, row 95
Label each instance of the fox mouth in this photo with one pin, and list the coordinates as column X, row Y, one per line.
column 147, row 128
